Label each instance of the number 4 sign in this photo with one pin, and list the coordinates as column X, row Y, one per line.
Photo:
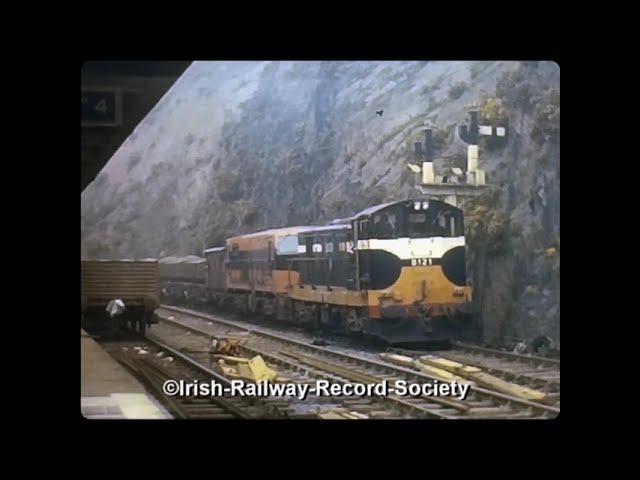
column 100, row 107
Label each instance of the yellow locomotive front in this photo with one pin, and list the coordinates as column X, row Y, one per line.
column 411, row 264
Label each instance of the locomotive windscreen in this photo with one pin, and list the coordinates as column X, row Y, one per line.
column 414, row 220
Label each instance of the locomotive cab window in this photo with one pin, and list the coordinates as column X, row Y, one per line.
column 363, row 228
column 417, row 225
column 423, row 219
column 385, row 225
column 447, row 224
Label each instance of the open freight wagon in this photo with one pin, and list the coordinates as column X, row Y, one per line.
column 134, row 282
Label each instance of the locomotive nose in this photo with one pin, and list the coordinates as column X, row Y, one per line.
column 454, row 266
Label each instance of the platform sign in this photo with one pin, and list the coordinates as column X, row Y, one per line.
column 100, row 107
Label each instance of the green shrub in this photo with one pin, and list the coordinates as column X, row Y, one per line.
column 546, row 117
column 514, row 91
column 457, row 90
column 492, row 110
column 229, row 184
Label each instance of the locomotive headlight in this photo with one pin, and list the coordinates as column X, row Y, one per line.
column 425, row 205
column 458, row 291
column 416, row 205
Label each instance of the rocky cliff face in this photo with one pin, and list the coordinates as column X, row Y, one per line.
column 235, row 147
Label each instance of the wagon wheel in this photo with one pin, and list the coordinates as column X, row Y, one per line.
column 142, row 324
column 353, row 323
column 316, row 323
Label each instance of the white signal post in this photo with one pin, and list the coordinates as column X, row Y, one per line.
column 460, row 183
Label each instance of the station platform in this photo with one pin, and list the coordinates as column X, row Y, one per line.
column 108, row 390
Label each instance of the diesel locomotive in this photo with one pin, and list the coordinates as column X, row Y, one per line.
column 395, row 271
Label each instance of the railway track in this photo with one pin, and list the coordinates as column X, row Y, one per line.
column 195, row 349
column 297, row 358
column 153, row 370
column 538, row 373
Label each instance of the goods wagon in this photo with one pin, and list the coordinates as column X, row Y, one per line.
column 216, row 258
column 191, row 269
column 134, row 282
column 183, row 278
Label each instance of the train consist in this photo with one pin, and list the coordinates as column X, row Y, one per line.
column 394, row 271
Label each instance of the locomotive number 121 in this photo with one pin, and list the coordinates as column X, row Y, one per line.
column 421, row 262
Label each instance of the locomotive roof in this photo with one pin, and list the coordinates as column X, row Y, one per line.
column 323, row 228
column 376, row 208
column 373, row 209
column 341, row 221
column 277, row 232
